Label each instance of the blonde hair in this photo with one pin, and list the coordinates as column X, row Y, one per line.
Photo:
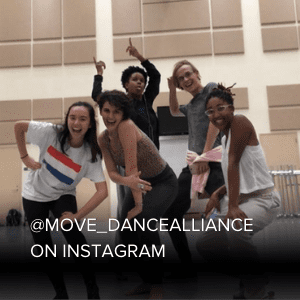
column 177, row 66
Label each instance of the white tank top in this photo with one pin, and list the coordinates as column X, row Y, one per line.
column 254, row 173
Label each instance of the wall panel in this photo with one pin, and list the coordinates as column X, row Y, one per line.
column 283, row 95
column 46, row 19
column 15, row 55
column 176, row 45
column 79, row 18
column 7, row 134
column 276, row 12
column 280, row 38
column 78, row 52
column 15, row 20
column 227, row 42
column 162, row 99
column 126, row 16
column 286, row 118
column 47, row 108
column 120, row 45
column 226, row 13
column 176, row 16
column 15, row 110
column 241, row 100
column 47, row 54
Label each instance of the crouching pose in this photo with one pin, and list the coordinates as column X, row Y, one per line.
column 248, row 193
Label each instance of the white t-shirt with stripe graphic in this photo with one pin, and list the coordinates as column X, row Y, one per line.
column 60, row 173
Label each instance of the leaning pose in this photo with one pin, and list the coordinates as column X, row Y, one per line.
column 124, row 144
column 68, row 153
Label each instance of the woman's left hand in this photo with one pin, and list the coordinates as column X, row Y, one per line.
column 235, row 213
column 138, row 184
column 67, row 215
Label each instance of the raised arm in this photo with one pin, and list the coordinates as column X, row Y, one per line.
column 173, row 102
column 152, row 89
column 20, row 128
column 97, row 86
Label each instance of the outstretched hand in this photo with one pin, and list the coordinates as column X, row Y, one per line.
column 100, row 66
column 30, row 163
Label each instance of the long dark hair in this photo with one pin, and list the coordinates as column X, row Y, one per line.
column 91, row 135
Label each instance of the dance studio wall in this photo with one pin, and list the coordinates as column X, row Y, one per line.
column 252, row 43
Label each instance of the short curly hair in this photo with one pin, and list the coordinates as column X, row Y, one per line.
column 118, row 99
column 129, row 71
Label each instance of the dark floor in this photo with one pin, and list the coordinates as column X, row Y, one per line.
column 278, row 245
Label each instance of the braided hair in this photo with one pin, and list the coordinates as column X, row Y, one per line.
column 222, row 92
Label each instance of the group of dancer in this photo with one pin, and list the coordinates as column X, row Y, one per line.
column 239, row 187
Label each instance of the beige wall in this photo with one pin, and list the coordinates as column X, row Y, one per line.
column 254, row 69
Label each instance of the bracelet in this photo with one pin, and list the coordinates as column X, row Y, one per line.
column 24, row 156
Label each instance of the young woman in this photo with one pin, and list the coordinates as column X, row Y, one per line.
column 248, row 193
column 124, row 144
column 68, row 153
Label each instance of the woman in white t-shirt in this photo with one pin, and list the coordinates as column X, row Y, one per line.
column 68, row 153
column 248, row 193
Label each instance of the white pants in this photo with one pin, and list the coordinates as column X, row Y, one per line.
column 237, row 246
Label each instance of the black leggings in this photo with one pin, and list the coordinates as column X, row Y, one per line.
column 51, row 264
column 155, row 203
column 182, row 203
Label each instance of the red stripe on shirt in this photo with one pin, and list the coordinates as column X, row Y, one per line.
column 63, row 159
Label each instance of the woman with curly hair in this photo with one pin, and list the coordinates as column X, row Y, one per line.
column 248, row 193
column 124, row 144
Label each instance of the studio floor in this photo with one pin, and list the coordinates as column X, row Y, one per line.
column 278, row 245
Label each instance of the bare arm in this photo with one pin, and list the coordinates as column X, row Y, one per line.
column 20, row 128
column 173, row 102
column 132, row 181
column 241, row 132
column 128, row 135
column 97, row 199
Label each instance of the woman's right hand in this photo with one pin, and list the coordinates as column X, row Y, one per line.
column 136, row 183
column 30, row 163
column 171, row 84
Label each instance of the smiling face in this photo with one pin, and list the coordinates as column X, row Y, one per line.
column 188, row 79
column 78, row 123
column 220, row 113
column 112, row 116
column 135, row 85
